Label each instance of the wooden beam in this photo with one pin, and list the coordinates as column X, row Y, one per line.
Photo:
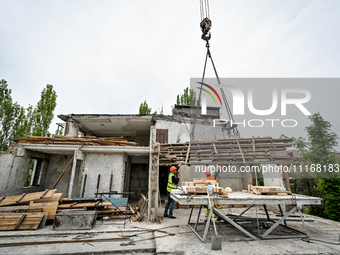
column 20, row 198
column 84, row 185
column 20, row 221
column 62, row 174
column 43, row 194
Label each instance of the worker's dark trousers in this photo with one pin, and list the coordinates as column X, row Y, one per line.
column 172, row 206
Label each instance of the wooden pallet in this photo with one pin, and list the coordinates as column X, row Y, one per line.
column 49, row 207
column 26, row 198
column 17, row 221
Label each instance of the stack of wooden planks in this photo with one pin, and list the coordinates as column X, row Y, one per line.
column 82, row 204
column 198, row 186
column 86, row 140
column 103, row 208
column 140, row 209
column 266, row 190
column 28, row 211
column 260, row 150
column 31, row 211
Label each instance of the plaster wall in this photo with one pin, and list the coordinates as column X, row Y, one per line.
column 273, row 178
column 13, row 173
column 103, row 164
column 179, row 132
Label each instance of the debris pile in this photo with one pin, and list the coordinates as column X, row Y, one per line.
column 31, row 211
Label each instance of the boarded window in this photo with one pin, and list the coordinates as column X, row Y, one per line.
column 162, row 135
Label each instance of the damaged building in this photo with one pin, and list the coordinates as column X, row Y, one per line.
column 91, row 164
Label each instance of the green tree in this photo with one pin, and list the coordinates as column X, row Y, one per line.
column 319, row 150
column 8, row 114
column 144, row 108
column 16, row 121
column 43, row 113
column 188, row 97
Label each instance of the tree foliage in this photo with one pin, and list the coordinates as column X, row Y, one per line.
column 17, row 121
column 144, row 108
column 8, row 112
column 188, row 97
column 43, row 113
column 319, row 149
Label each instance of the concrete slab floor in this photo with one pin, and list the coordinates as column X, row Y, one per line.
column 184, row 242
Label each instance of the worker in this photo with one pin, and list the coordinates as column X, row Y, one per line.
column 173, row 181
column 207, row 179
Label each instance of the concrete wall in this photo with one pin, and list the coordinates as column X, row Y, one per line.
column 103, row 164
column 178, row 132
column 273, row 178
column 13, row 173
column 56, row 166
column 139, row 180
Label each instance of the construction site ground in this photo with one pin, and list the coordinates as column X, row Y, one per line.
column 183, row 242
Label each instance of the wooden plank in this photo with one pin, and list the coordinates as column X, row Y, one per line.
column 20, row 221
column 98, row 181
column 131, row 209
column 45, row 192
column 55, row 198
column 27, row 198
column 49, row 207
column 84, row 185
column 10, row 221
column 13, row 208
column 2, row 198
column 215, row 148
column 102, row 204
column 188, row 152
column 20, row 198
column 111, row 179
column 253, row 143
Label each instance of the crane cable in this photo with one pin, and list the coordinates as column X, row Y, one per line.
column 205, row 26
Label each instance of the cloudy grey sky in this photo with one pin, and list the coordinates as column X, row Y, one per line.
column 107, row 56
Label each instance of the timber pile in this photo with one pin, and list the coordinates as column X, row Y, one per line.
column 266, row 190
column 85, row 140
column 31, row 211
column 261, row 150
column 104, row 209
column 135, row 212
column 82, row 204
column 141, row 208
column 28, row 211
column 198, row 186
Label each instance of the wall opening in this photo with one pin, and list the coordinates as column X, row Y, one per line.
column 139, row 180
column 163, row 181
column 34, row 172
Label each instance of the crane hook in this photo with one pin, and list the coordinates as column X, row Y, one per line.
column 205, row 27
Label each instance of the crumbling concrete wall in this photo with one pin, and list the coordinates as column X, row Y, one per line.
column 103, row 164
column 56, row 166
column 13, row 174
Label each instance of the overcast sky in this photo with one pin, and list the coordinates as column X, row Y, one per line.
column 107, row 56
